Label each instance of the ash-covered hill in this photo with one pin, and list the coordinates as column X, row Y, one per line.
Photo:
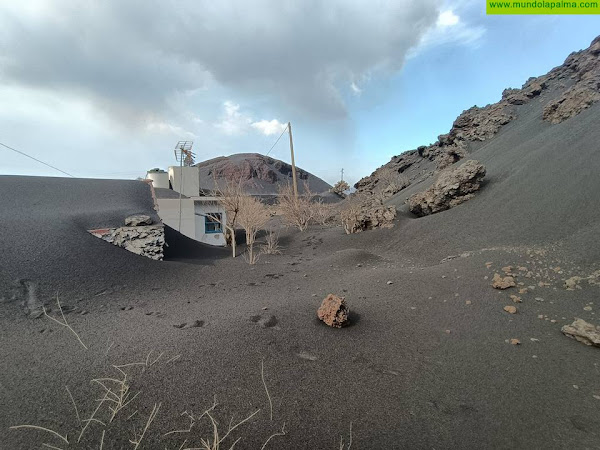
column 540, row 146
column 259, row 174
column 553, row 98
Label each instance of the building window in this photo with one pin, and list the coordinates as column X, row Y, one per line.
column 212, row 223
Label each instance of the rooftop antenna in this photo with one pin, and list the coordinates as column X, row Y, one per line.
column 185, row 157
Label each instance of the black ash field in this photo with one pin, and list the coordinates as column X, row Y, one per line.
column 426, row 363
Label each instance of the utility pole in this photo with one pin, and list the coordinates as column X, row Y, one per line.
column 342, row 179
column 293, row 162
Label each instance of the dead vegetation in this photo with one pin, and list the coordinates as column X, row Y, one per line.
column 271, row 245
column 297, row 211
column 252, row 217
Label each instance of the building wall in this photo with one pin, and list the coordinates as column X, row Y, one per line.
column 168, row 210
column 185, row 180
column 201, row 209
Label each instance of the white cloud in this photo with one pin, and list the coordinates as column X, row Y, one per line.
column 168, row 128
column 447, row 19
column 449, row 29
column 355, row 88
column 269, row 127
column 233, row 121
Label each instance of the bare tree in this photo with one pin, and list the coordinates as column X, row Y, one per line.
column 230, row 196
column 296, row 211
column 252, row 216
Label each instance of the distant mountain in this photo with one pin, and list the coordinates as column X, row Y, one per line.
column 259, row 174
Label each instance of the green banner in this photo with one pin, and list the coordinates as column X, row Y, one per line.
column 543, row 7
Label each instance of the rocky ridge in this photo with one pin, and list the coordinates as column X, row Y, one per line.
column 565, row 91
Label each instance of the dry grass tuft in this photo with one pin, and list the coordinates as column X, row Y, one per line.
column 64, row 323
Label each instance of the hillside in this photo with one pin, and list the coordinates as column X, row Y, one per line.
column 259, row 174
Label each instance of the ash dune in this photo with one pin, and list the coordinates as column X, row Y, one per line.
column 431, row 357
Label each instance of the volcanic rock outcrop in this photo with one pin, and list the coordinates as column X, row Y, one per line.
column 563, row 92
column 453, row 187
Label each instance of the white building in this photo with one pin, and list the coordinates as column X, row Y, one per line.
column 195, row 216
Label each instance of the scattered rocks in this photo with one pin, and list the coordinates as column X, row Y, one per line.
column 334, row 311
column 453, row 187
column 510, row 309
column 583, row 331
column 502, row 283
column 573, row 283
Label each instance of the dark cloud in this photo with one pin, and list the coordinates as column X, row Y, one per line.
column 132, row 55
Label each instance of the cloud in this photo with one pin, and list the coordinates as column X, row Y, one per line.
column 233, row 121
column 447, row 19
column 130, row 58
column 449, row 28
column 269, row 127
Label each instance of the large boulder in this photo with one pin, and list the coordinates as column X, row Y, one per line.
column 365, row 215
column 453, row 187
column 334, row 311
column 583, row 331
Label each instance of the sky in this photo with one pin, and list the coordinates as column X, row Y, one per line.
column 106, row 89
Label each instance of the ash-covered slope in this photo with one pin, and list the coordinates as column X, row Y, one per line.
column 259, row 174
column 558, row 96
column 540, row 146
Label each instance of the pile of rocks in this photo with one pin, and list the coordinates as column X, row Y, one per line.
column 453, row 187
column 138, row 236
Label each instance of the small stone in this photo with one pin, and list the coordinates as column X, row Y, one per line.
column 515, row 342
column 534, row 340
column 390, row 282
column 443, row 276
column 553, row 321
column 447, row 331
column 510, row 309
column 540, row 316
column 468, row 302
column 516, row 299
column 523, row 291
column 575, row 386
column 587, row 308
column 597, row 397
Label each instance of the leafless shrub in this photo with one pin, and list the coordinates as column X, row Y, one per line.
column 340, row 188
column 323, row 213
column 297, row 211
column 271, row 245
column 252, row 217
column 351, row 213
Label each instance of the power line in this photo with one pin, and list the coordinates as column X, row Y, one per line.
column 35, row 159
column 284, row 130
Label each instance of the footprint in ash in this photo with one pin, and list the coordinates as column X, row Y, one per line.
column 194, row 324
column 265, row 321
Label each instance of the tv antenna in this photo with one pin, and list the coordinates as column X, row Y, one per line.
column 185, row 158
column 183, row 153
